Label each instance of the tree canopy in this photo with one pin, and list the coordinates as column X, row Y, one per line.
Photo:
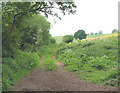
column 23, row 24
column 91, row 33
column 100, row 32
column 80, row 34
column 115, row 31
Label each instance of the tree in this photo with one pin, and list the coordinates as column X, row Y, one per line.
column 68, row 38
column 91, row 33
column 100, row 32
column 37, row 32
column 18, row 10
column 15, row 27
column 96, row 33
column 80, row 34
column 115, row 31
column 53, row 40
column 88, row 34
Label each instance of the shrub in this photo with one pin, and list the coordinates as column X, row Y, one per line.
column 100, row 32
column 96, row 33
column 50, row 64
column 68, row 38
column 80, row 34
column 91, row 33
column 53, row 40
column 83, row 58
column 14, row 69
column 115, row 31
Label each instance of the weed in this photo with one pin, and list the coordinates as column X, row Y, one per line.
column 92, row 60
column 50, row 64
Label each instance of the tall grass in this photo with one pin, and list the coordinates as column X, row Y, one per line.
column 50, row 64
column 92, row 59
column 15, row 68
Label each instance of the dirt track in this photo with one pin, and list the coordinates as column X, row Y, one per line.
column 60, row 80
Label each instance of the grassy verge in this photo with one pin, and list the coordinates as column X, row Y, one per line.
column 15, row 68
column 95, row 61
column 105, row 78
column 50, row 63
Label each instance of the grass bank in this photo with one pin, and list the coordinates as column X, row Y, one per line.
column 95, row 61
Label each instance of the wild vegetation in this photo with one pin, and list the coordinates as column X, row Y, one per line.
column 80, row 34
column 26, row 37
column 27, row 45
column 68, row 38
column 93, row 60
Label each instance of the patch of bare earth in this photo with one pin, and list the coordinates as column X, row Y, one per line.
column 60, row 80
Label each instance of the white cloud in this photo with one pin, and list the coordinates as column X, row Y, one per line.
column 91, row 16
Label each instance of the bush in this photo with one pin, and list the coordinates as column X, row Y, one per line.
column 91, row 33
column 80, row 34
column 53, row 40
column 100, row 32
column 14, row 69
column 83, row 59
column 68, row 38
column 115, row 31
column 50, row 64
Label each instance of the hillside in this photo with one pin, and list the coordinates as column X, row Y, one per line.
column 95, row 60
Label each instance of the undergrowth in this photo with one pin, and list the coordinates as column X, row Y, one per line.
column 50, row 64
column 95, row 61
column 15, row 68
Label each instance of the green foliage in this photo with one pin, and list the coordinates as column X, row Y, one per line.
column 36, row 32
column 58, row 39
column 22, row 24
column 84, row 58
column 100, row 77
column 91, row 33
column 46, row 49
column 96, row 33
column 68, row 38
column 53, row 40
column 14, row 69
column 100, row 32
column 80, row 34
column 50, row 64
column 24, row 28
column 115, row 31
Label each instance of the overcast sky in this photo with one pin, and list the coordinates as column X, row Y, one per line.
column 91, row 16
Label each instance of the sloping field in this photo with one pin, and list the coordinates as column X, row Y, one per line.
column 93, row 59
column 59, row 38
